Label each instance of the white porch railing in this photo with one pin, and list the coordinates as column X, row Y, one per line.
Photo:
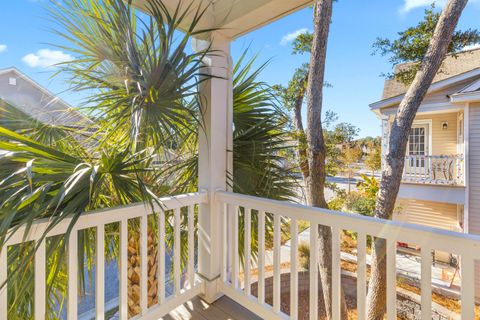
column 467, row 247
column 98, row 220
column 428, row 169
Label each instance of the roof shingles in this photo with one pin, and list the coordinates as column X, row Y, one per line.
column 452, row 66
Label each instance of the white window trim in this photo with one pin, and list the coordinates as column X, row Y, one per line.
column 460, row 129
column 430, row 128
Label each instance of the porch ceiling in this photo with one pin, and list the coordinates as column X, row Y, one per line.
column 238, row 17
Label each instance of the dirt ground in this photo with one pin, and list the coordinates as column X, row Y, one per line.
column 304, row 298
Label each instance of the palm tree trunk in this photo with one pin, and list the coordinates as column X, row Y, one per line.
column 134, row 271
column 133, row 274
column 395, row 156
column 317, row 151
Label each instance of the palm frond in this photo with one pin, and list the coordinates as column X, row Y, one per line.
column 138, row 66
column 261, row 139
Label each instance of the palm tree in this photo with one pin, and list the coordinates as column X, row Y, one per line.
column 141, row 84
column 261, row 149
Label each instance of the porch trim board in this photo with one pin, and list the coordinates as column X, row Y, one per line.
column 427, row 192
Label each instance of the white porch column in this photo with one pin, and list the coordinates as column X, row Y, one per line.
column 214, row 159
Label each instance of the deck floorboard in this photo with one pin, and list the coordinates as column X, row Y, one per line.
column 223, row 309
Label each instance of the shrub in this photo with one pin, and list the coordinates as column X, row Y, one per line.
column 337, row 203
column 357, row 202
column 304, row 255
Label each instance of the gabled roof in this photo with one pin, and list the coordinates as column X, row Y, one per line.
column 437, row 86
column 470, row 93
column 453, row 65
column 472, row 87
column 39, row 102
column 237, row 17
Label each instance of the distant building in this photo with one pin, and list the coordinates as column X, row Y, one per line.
column 30, row 97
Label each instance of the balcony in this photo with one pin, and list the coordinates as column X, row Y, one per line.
column 228, row 249
column 445, row 170
column 246, row 277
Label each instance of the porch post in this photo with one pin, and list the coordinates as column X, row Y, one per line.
column 214, row 159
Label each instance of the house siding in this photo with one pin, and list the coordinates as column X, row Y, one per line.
column 474, row 180
column 444, row 142
column 433, row 214
column 429, row 213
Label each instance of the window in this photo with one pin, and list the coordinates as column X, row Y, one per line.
column 12, row 81
column 418, row 144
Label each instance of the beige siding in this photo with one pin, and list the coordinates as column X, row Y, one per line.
column 474, row 179
column 433, row 214
column 444, row 142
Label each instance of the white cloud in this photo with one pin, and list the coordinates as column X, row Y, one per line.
column 3, row 47
column 414, row 4
column 292, row 36
column 46, row 58
column 472, row 46
column 409, row 5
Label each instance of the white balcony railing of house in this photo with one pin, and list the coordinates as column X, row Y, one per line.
column 440, row 170
column 235, row 278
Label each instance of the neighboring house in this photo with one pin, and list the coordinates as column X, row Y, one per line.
column 441, row 179
column 25, row 94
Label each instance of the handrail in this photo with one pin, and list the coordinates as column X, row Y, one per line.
column 387, row 229
column 105, row 216
column 466, row 246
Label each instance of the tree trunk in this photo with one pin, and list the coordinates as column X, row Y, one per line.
column 395, row 156
column 300, row 132
column 134, row 273
column 317, row 152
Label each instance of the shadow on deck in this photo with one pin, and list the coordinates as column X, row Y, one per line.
column 223, row 309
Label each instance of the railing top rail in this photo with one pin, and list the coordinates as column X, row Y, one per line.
column 454, row 242
column 437, row 156
column 105, row 216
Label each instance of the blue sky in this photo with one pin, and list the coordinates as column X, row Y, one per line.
column 352, row 70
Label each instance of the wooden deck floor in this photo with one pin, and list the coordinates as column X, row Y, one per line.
column 223, row 309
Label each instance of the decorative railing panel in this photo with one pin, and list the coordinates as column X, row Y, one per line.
column 428, row 169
